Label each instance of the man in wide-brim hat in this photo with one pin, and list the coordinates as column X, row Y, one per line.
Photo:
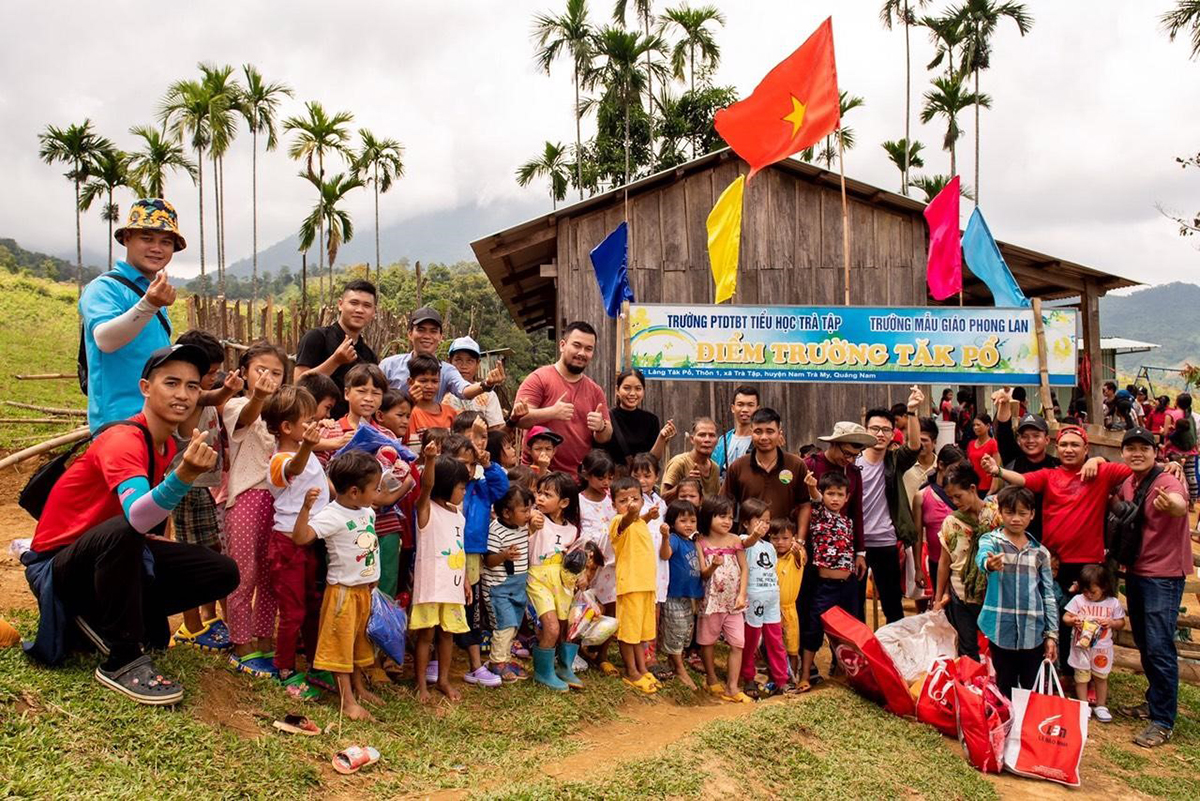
column 124, row 311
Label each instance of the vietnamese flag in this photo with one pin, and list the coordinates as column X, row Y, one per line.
column 793, row 107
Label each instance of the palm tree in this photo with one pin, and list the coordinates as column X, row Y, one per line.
column 1186, row 14
column 148, row 167
column 224, row 95
column 620, row 72
column 948, row 99
column 327, row 219
column 318, row 133
column 979, row 20
column 902, row 10
column 904, row 156
column 184, row 111
column 76, row 146
column 571, row 34
column 644, row 12
column 552, row 164
column 931, row 185
column 846, row 103
column 946, row 33
column 692, row 24
column 258, row 104
column 380, row 162
column 109, row 170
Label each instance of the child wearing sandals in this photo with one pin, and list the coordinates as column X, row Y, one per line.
column 249, row 519
column 637, row 581
column 505, row 575
column 440, row 588
column 347, row 527
column 685, row 589
column 764, row 619
column 789, row 568
column 553, row 529
column 723, row 567
column 1095, row 613
column 595, row 514
column 293, row 471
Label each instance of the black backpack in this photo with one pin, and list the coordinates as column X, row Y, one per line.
column 1123, row 524
column 37, row 490
column 81, row 363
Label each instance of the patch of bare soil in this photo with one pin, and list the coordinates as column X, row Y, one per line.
column 222, row 701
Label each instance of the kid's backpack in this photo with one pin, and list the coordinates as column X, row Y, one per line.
column 81, row 363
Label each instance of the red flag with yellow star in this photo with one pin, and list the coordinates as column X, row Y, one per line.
column 793, row 107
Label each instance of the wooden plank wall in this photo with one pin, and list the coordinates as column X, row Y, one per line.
column 791, row 254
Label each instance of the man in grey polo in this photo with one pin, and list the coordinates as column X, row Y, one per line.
column 424, row 336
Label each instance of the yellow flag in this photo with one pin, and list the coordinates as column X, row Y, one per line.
column 725, row 238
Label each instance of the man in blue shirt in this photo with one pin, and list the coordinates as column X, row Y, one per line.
column 425, row 335
column 122, row 326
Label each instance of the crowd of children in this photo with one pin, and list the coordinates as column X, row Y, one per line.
column 466, row 525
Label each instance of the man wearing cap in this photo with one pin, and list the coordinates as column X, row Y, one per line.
column 333, row 349
column 424, row 336
column 464, row 356
column 97, row 557
column 1154, row 583
column 124, row 311
column 1024, row 451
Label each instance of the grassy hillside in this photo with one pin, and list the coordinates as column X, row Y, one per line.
column 1166, row 315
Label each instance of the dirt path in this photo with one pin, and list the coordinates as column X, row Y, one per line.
column 15, row 523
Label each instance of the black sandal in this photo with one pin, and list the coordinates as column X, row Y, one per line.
column 142, row 682
column 1153, row 736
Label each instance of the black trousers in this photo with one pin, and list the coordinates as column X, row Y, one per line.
column 965, row 619
column 884, row 563
column 102, row 578
column 1016, row 668
column 1068, row 574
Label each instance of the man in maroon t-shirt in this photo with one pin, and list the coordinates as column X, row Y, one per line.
column 97, row 557
column 561, row 398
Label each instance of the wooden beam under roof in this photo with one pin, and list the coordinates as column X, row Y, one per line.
column 524, row 242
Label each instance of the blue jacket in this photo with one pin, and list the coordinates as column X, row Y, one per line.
column 477, row 506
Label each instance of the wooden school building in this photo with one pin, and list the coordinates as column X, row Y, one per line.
column 791, row 254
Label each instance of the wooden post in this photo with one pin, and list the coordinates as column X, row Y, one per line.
column 845, row 217
column 191, row 312
column 1089, row 307
column 1039, row 330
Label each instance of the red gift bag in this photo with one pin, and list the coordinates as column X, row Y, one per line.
column 868, row 667
column 983, row 715
column 1049, row 731
column 936, row 703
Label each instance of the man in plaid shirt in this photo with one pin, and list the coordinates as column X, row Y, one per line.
column 1019, row 615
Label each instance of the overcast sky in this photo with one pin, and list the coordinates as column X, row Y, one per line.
column 1089, row 110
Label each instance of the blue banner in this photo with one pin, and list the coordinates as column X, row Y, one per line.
column 929, row 345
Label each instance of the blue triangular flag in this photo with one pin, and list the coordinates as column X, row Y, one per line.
column 609, row 260
column 984, row 259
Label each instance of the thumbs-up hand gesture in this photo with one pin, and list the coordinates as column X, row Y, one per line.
column 595, row 420
column 160, row 293
column 199, row 458
column 345, row 353
column 562, row 408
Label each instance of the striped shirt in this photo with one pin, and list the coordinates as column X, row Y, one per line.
column 1019, row 610
column 500, row 537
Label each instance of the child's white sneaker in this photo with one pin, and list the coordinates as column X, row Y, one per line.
column 431, row 672
column 1102, row 714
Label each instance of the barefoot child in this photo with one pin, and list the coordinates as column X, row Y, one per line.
column 553, row 528
column 685, row 588
column 1095, row 613
column 249, row 519
column 505, row 577
column 347, row 527
column 637, row 577
column 644, row 468
column 789, row 568
column 293, row 471
column 1019, row 615
column 723, row 567
column 764, row 619
column 440, row 589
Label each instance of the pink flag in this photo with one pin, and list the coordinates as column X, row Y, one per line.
column 944, row 271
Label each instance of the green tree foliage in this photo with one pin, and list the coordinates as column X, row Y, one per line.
column 16, row 259
column 552, row 165
column 378, row 162
column 158, row 154
column 109, row 171
column 1185, row 15
column 569, row 34
column 75, row 146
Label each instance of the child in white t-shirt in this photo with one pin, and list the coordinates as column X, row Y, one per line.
column 289, row 415
column 347, row 527
column 1095, row 613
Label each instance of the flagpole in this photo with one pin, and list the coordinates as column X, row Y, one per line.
column 845, row 218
